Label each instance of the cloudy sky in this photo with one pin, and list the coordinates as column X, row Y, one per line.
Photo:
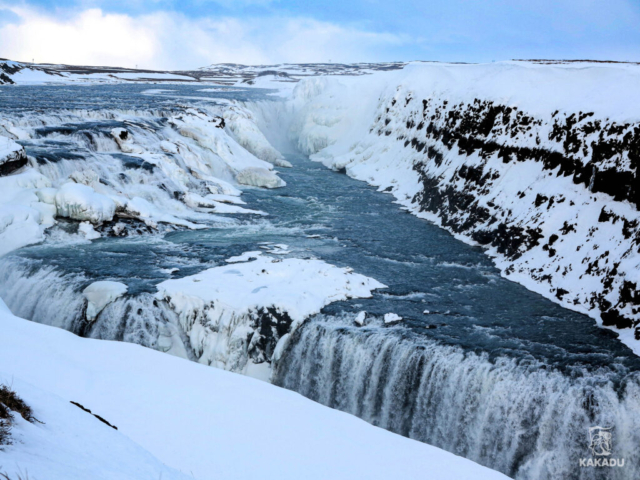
column 171, row 34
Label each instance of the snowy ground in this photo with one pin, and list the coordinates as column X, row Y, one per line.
column 203, row 422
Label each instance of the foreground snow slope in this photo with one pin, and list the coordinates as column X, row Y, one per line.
column 536, row 162
column 71, row 444
column 206, row 422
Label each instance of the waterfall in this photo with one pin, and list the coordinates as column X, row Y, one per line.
column 46, row 295
column 515, row 416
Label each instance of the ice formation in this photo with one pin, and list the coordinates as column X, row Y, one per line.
column 81, row 202
column 100, row 294
column 178, row 167
column 235, row 315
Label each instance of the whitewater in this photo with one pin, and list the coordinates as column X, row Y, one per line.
column 191, row 216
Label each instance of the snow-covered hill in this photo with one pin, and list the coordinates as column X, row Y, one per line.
column 176, row 416
column 537, row 162
column 271, row 76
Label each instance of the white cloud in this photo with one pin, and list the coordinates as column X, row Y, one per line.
column 171, row 40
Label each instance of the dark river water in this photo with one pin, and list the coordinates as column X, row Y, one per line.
column 479, row 365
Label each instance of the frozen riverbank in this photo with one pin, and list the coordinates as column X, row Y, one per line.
column 538, row 163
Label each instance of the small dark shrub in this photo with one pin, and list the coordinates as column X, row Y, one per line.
column 11, row 403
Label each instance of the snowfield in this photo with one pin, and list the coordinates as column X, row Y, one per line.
column 536, row 162
column 177, row 419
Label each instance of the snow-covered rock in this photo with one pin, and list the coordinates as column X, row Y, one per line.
column 177, row 416
column 536, row 162
column 12, row 156
column 361, row 318
column 392, row 318
column 86, row 229
column 125, row 142
column 259, row 177
column 81, row 202
column 234, row 315
column 100, row 294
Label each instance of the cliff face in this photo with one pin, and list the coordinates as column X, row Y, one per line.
column 536, row 163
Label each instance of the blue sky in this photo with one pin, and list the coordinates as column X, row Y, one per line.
column 188, row 34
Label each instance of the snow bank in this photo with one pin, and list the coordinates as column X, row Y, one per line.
column 12, row 156
column 235, row 315
column 206, row 422
column 538, row 163
column 81, row 202
column 100, row 294
column 259, row 177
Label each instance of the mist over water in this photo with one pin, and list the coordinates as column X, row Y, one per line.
column 480, row 366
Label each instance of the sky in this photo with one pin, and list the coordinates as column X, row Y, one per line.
column 172, row 34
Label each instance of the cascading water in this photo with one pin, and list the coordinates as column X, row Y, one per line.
column 46, row 295
column 519, row 417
